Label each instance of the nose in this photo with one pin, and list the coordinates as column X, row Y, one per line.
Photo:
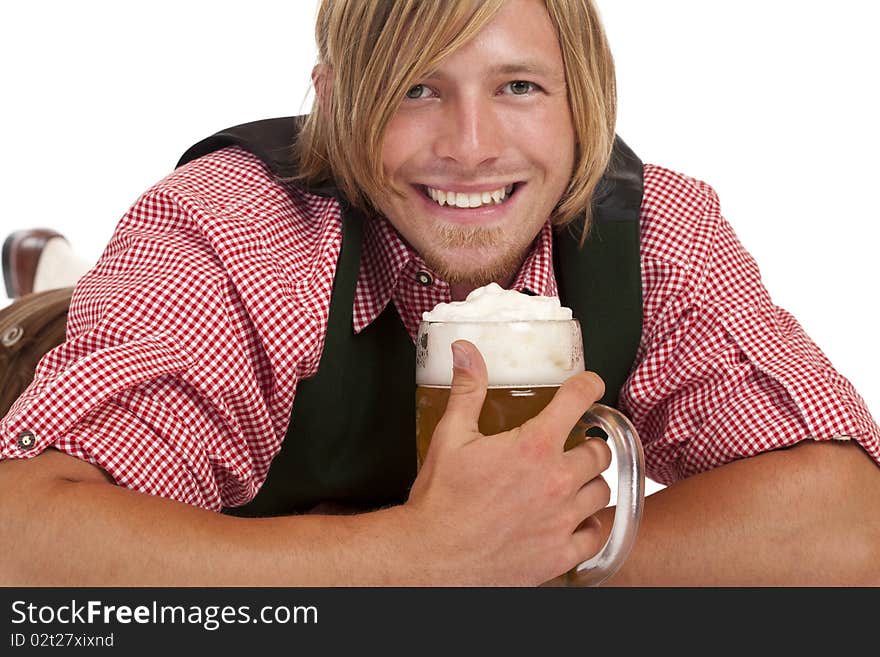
column 471, row 133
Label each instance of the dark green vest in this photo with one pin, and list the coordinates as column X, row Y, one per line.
column 351, row 436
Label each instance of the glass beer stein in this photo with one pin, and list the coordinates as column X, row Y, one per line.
column 527, row 361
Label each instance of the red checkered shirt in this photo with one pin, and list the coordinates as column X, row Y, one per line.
column 187, row 339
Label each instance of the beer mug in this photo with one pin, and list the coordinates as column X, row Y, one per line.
column 527, row 361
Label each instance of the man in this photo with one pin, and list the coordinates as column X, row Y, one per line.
column 203, row 324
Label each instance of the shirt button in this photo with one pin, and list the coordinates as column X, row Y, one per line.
column 26, row 440
column 424, row 278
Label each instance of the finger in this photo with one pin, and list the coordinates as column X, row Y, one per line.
column 588, row 538
column 469, row 383
column 592, row 497
column 589, row 458
column 569, row 403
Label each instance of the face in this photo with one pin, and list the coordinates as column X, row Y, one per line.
column 482, row 150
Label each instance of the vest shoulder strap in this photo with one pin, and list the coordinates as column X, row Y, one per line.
column 600, row 280
column 271, row 140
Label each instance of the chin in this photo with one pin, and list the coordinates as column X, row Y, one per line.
column 477, row 270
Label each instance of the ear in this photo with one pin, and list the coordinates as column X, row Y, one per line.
column 322, row 79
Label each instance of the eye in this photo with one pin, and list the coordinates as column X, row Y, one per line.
column 521, row 87
column 417, row 92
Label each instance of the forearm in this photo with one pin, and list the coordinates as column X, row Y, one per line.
column 58, row 532
column 802, row 516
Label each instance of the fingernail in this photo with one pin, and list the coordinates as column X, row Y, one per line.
column 460, row 356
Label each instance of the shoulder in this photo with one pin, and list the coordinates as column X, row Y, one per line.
column 225, row 214
column 220, row 226
column 679, row 217
column 680, row 224
column 232, row 190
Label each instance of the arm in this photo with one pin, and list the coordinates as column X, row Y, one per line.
column 65, row 523
column 73, row 528
column 808, row 515
column 502, row 510
column 727, row 394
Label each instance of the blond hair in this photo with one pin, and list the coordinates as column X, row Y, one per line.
column 375, row 50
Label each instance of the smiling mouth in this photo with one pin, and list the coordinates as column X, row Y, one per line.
column 468, row 200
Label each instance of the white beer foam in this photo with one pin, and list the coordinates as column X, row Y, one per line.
column 492, row 303
column 525, row 340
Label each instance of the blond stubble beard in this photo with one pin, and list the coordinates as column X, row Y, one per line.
column 480, row 240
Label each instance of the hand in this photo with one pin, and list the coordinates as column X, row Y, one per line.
column 513, row 508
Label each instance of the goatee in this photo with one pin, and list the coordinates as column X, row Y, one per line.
column 506, row 262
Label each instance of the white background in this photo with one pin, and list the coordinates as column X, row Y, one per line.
column 770, row 101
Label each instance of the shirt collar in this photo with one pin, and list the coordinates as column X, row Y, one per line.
column 391, row 270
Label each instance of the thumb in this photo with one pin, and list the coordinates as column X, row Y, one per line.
column 469, row 382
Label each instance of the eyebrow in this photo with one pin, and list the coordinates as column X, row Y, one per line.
column 533, row 68
column 528, row 67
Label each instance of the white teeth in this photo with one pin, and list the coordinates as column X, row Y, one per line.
column 465, row 200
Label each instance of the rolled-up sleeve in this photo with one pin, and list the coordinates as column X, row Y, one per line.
column 151, row 382
column 162, row 381
column 187, row 340
column 722, row 372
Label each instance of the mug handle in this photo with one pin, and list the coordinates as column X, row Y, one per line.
column 630, row 496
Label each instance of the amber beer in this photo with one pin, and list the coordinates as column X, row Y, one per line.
column 505, row 408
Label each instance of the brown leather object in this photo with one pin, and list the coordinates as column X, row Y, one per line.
column 21, row 253
column 29, row 327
